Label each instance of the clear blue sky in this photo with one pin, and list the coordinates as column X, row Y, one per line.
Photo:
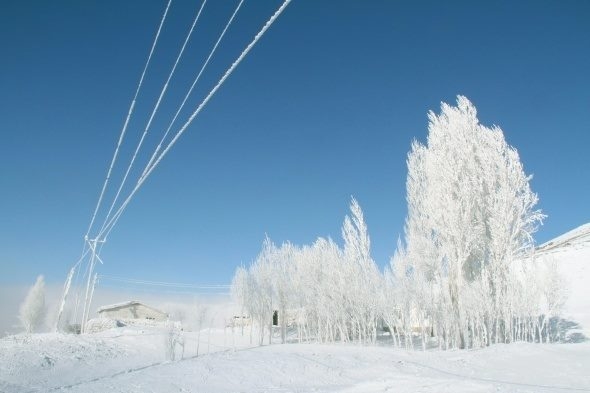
column 324, row 107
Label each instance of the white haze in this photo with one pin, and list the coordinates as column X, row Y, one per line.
column 178, row 305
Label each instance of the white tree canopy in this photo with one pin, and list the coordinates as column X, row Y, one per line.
column 32, row 310
column 465, row 276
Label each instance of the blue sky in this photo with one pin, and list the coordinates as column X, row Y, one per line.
column 324, row 107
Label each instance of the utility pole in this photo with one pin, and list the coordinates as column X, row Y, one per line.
column 90, row 283
column 64, row 298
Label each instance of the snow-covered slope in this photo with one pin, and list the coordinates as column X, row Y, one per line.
column 571, row 253
column 576, row 238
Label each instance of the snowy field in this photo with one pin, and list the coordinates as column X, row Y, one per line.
column 135, row 362
column 134, row 359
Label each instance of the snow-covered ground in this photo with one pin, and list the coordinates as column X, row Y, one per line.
column 133, row 359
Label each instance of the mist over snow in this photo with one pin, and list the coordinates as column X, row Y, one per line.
column 176, row 304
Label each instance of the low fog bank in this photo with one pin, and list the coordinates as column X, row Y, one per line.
column 183, row 307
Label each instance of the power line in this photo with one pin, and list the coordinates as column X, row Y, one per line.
column 166, row 290
column 147, row 286
column 149, row 123
column 94, row 244
column 142, row 179
column 123, row 130
column 162, row 283
column 190, row 90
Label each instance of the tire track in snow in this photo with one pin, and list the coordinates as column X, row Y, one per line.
column 98, row 379
column 141, row 368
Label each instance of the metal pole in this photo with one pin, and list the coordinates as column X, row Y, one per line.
column 64, row 298
column 92, row 244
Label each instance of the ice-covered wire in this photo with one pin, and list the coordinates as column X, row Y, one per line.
column 218, row 85
column 168, row 290
column 203, row 67
column 104, row 233
column 149, row 123
column 129, row 113
column 163, row 283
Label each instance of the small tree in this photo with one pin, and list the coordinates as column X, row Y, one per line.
column 365, row 277
column 32, row 310
column 201, row 314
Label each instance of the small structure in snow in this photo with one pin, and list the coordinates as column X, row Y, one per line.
column 239, row 320
column 132, row 310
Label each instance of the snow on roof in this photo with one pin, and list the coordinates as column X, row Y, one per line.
column 118, row 305
column 126, row 304
column 577, row 236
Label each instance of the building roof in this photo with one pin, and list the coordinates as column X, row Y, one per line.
column 129, row 303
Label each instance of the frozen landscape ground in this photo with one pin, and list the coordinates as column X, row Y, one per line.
column 134, row 359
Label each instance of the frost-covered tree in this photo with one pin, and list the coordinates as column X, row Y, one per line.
column 463, row 277
column 327, row 292
column 471, row 217
column 283, row 265
column 240, row 292
column 337, row 289
column 32, row 310
column 260, row 283
column 201, row 313
column 364, row 277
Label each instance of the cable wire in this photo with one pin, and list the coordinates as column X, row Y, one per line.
column 142, row 179
column 163, row 283
column 124, row 129
column 190, row 90
column 155, row 109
